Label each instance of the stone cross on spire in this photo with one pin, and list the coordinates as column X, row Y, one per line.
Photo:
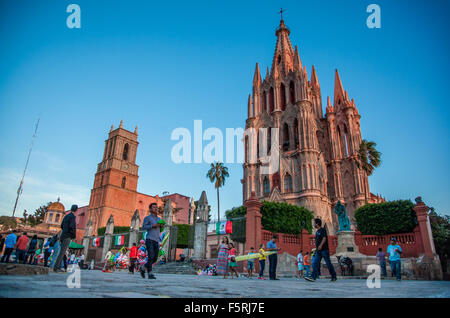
column 281, row 13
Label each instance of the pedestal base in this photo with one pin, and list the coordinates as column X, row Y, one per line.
column 346, row 245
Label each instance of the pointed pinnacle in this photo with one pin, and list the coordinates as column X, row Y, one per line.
column 297, row 61
column 257, row 76
column 314, row 80
column 121, row 124
column 338, row 89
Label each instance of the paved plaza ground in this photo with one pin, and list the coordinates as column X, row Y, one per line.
column 122, row 284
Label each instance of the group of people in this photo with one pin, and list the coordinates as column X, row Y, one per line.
column 394, row 250
column 54, row 249
column 308, row 264
column 226, row 261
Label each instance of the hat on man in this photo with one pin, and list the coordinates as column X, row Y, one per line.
column 74, row 208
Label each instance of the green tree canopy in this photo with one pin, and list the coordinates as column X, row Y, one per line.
column 386, row 218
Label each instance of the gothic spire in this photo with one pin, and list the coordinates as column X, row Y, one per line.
column 297, row 60
column 338, row 89
column 329, row 108
column 121, row 124
column 314, row 80
column 257, row 77
column 284, row 53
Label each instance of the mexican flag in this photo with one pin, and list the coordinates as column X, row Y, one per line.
column 224, row 227
column 119, row 240
column 96, row 242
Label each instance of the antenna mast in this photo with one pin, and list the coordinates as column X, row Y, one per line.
column 19, row 191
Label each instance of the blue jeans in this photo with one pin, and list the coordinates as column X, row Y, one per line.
column 20, row 255
column 262, row 264
column 306, row 270
column 316, row 264
column 152, row 251
column 56, row 249
column 396, row 269
column 383, row 268
column 273, row 266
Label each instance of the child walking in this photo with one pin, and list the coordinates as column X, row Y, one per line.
column 251, row 263
column 262, row 262
column 232, row 264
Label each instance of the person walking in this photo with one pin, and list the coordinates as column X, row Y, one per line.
column 222, row 258
column 251, row 263
column 322, row 251
column 47, row 250
column 68, row 227
column 273, row 258
column 306, row 263
column 394, row 250
column 31, row 249
column 300, row 266
column 133, row 257
column 232, row 264
column 262, row 261
column 153, row 225
column 21, row 247
column 141, row 256
column 10, row 242
column 56, row 248
column 382, row 260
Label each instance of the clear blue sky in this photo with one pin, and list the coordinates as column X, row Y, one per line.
column 161, row 66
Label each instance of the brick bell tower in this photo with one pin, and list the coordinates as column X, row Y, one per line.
column 115, row 183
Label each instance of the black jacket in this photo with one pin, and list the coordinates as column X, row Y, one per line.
column 68, row 226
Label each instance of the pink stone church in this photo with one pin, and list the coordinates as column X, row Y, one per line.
column 317, row 161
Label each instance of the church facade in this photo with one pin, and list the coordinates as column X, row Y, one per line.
column 317, row 152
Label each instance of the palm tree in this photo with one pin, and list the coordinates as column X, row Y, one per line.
column 368, row 159
column 217, row 174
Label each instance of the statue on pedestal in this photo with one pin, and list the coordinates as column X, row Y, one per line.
column 344, row 222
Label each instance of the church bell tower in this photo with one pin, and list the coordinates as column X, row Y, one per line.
column 115, row 183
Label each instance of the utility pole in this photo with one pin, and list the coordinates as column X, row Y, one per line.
column 19, row 191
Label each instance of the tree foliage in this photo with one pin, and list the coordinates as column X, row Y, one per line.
column 286, row 218
column 440, row 226
column 236, row 212
column 279, row 217
column 117, row 230
column 386, row 218
column 7, row 222
column 182, row 235
column 38, row 216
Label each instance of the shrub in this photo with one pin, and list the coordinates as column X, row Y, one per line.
column 183, row 235
column 117, row 229
column 386, row 218
column 286, row 218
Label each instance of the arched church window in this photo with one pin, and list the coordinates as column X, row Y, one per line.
column 283, row 96
column 292, row 92
column 286, row 137
column 125, row 152
column 246, row 148
column 339, row 143
column 271, row 100
column 266, row 186
column 124, row 181
column 276, row 180
column 264, row 102
column 287, row 183
column 296, row 133
column 57, row 218
column 269, row 139
column 346, row 142
column 279, row 59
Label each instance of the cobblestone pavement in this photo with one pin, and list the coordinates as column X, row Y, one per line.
column 122, row 284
